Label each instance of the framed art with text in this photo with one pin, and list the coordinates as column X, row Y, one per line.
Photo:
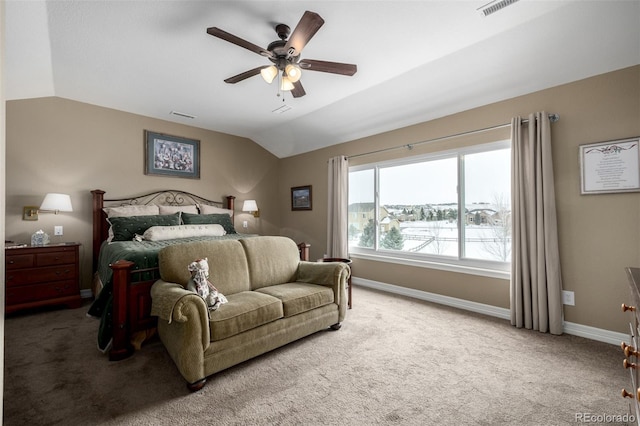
column 608, row 167
column 174, row 156
column 301, row 197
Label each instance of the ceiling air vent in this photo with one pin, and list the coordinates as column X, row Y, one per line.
column 284, row 108
column 183, row 114
column 494, row 6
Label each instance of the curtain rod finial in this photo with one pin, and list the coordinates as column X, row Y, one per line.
column 554, row 117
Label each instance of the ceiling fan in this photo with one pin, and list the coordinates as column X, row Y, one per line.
column 285, row 55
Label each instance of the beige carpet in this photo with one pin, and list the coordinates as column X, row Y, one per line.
column 395, row 361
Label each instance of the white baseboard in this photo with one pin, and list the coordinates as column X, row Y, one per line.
column 86, row 293
column 574, row 329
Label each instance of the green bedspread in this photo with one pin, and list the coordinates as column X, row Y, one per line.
column 145, row 255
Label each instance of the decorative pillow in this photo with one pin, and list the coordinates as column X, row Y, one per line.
column 207, row 209
column 125, row 228
column 220, row 219
column 126, row 211
column 192, row 208
column 161, row 233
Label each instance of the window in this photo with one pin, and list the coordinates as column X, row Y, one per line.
column 452, row 207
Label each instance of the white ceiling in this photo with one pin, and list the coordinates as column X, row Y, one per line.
column 417, row 60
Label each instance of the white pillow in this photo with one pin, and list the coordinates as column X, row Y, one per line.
column 207, row 209
column 125, row 211
column 175, row 209
column 161, row 233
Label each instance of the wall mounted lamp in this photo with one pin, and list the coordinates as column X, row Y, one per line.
column 52, row 203
column 252, row 207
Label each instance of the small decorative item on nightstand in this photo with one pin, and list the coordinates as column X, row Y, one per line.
column 39, row 238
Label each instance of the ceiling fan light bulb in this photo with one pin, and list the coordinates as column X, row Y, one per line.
column 287, row 84
column 269, row 73
column 293, row 72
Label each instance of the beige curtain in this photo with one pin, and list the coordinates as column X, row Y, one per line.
column 536, row 283
column 337, row 218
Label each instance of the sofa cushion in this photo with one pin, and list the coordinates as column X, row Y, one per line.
column 299, row 297
column 271, row 260
column 228, row 269
column 244, row 311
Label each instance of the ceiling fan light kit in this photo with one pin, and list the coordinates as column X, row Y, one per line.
column 285, row 55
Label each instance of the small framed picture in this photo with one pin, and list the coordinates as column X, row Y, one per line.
column 609, row 167
column 167, row 155
column 301, row 198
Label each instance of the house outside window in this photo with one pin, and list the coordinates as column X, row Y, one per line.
column 447, row 208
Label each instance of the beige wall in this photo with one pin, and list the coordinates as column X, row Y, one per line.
column 58, row 145
column 599, row 234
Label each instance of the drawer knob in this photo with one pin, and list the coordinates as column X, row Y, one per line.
column 627, row 364
column 626, row 394
column 626, row 308
column 629, row 350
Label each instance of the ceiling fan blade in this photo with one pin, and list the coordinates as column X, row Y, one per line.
column 298, row 90
column 243, row 76
column 217, row 32
column 309, row 24
column 326, row 66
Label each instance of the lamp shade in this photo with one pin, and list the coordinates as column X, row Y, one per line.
column 293, row 72
column 57, row 203
column 249, row 206
column 286, row 84
column 269, row 73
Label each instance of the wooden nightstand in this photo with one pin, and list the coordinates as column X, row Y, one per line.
column 41, row 276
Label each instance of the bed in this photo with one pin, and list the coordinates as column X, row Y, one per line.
column 126, row 268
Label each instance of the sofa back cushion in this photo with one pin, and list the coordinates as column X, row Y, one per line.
column 228, row 270
column 271, row 260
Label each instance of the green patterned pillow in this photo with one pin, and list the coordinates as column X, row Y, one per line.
column 218, row 218
column 125, row 228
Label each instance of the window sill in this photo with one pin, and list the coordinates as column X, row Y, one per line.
column 462, row 269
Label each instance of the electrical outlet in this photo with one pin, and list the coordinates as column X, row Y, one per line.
column 245, row 224
column 57, row 230
column 568, row 298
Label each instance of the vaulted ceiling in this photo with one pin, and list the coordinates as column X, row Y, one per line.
column 417, row 60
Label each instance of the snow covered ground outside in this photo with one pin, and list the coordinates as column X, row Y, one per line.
column 482, row 241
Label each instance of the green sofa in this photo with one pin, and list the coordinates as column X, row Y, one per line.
column 274, row 298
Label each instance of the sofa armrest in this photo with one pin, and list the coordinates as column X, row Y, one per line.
column 330, row 274
column 171, row 302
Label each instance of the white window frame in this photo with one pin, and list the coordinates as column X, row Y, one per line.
column 489, row 268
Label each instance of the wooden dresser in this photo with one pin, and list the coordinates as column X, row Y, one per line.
column 631, row 350
column 41, row 276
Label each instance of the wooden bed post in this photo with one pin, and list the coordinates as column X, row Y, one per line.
column 120, row 346
column 304, row 251
column 98, row 203
column 231, row 203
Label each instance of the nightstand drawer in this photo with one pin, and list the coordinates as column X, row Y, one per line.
column 55, row 258
column 40, row 275
column 32, row 293
column 18, row 261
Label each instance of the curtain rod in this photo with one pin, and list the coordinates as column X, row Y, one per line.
column 552, row 117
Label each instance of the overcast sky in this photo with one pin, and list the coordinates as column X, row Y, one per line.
column 485, row 177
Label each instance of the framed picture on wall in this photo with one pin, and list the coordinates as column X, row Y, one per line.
column 301, row 198
column 174, row 156
column 612, row 166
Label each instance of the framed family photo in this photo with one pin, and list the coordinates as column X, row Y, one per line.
column 301, row 198
column 174, row 156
